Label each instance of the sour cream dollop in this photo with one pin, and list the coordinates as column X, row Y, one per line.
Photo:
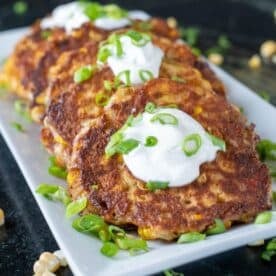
column 166, row 161
column 134, row 59
column 72, row 15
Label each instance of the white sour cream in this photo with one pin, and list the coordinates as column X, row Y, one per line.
column 166, row 161
column 108, row 23
column 138, row 15
column 69, row 16
column 134, row 59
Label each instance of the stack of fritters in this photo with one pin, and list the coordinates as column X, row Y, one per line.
column 234, row 187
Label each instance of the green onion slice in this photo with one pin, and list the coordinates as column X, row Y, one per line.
column 101, row 99
column 264, row 217
column 218, row 228
column 45, row 34
column 114, row 11
column 267, row 255
column 271, row 245
column 217, row 141
column 93, row 10
column 137, row 38
column 266, row 150
column 109, row 249
column 155, row 185
column 164, row 119
column 108, row 85
column 124, row 76
column 58, row 172
column 54, row 192
column 84, row 73
column 132, row 244
column 17, row 126
column 145, row 75
column 115, row 40
column 151, row 141
column 127, row 146
column 191, row 237
column 104, row 53
column 76, row 207
column 116, row 231
column 191, row 144
column 150, row 108
column 22, row 109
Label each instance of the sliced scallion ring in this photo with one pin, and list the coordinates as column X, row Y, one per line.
column 115, row 40
column 124, row 76
column 76, row 207
column 164, row 119
column 101, row 99
column 217, row 141
column 191, row 237
column 217, row 228
column 151, row 141
column 103, row 54
column 150, row 108
column 137, row 38
column 156, row 185
column 109, row 249
column 191, row 144
column 145, row 75
column 264, row 217
column 84, row 73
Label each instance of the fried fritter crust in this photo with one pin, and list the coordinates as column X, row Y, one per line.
column 234, row 187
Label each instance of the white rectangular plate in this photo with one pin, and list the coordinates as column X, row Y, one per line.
column 82, row 252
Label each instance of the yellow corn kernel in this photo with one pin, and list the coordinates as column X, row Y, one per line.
column 197, row 110
column 40, row 99
column 254, row 62
column 60, row 140
column 145, row 233
column 2, row 217
column 61, row 257
column 71, row 177
column 52, row 261
column 37, row 113
column 197, row 216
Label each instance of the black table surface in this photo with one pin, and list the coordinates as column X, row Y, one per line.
column 248, row 23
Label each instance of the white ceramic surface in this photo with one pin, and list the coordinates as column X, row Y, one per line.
column 82, row 251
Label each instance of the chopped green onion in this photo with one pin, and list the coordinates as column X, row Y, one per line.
column 145, row 75
column 116, row 231
column 137, row 38
column 115, row 139
column 54, row 192
column 151, row 141
column 89, row 224
column 164, row 119
column 124, row 76
column 178, row 79
column 93, row 10
column 103, row 54
column 191, row 144
column 264, row 95
column 109, row 249
column 127, row 146
column 196, row 51
column 150, row 108
column 263, row 218
column 76, row 207
column 108, row 85
column 58, row 172
column 190, row 35
column 20, row 7
column 271, row 245
column 132, row 121
column 266, row 255
column 84, row 73
column 155, row 185
column 45, row 34
column 115, row 40
column 132, row 244
column 191, row 237
column 223, row 42
column 218, row 228
column 170, row 272
column 144, row 26
column 22, row 109
column 104, row 235
column 217, row 141
column 114, row 11
column 101, row 99
column 17, row 126
column 266, row 150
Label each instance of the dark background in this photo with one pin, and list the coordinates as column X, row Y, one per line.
column 246, row 23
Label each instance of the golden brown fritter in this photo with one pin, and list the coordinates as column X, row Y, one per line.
column 26, row 70
column 234, row 187
column 72, row 104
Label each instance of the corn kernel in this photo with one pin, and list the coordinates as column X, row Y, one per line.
column 2, row 217
column 145, row 233
column 60, row 140
column 197, row 110
column 37, row 113
column 216, row 58
column 254, row 62
column 61, row 257
column 172, row 22
column 268, row 49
